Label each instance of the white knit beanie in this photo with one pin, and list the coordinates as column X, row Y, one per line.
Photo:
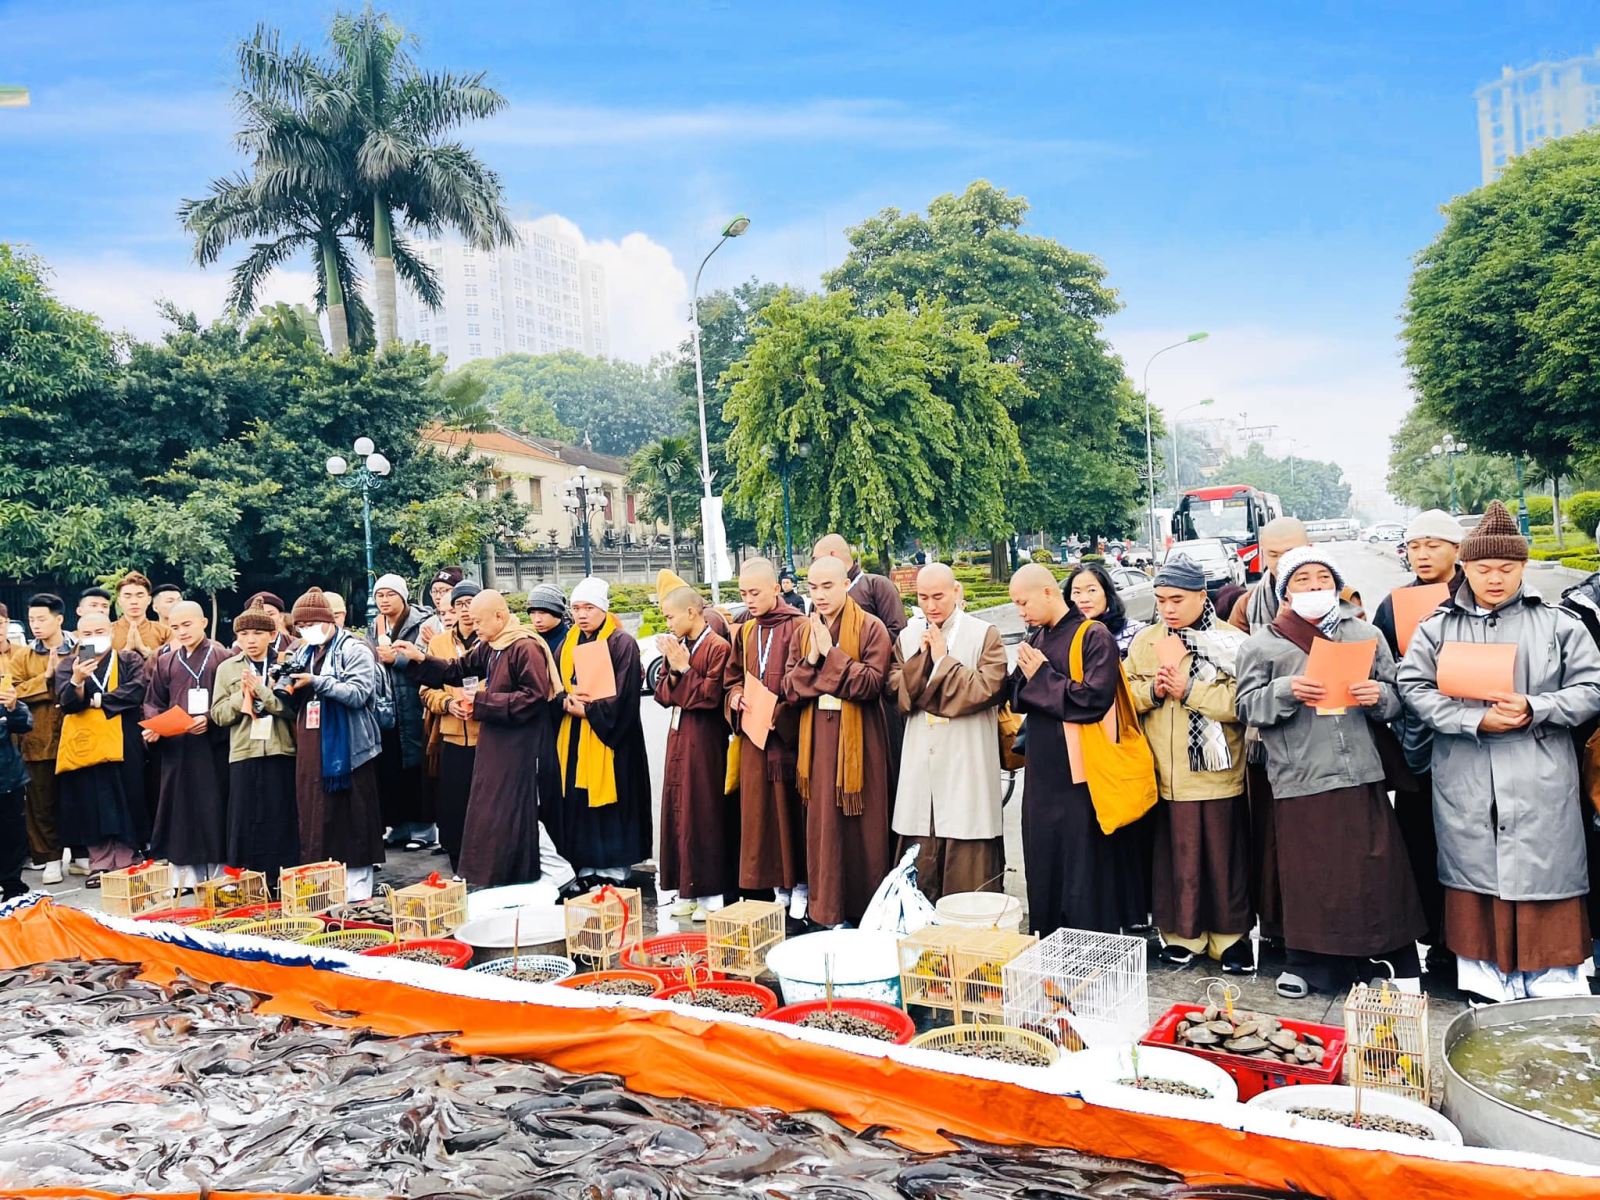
column 395, row 584
column 1435, row 523
column 1293, row 560
column 593, row 591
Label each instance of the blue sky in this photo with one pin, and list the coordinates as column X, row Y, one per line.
column 1262, row 171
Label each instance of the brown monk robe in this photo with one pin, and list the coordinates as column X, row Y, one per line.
column 875, row 594
column 838, row 669
column 500, row 840
column 699, row 821
column 1078, row 877
column 772, row 849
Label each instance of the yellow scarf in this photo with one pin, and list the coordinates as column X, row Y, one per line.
column 597, row 762
column 847, row 771
column 89, row 738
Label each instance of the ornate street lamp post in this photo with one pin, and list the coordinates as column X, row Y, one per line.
column 368, row 477
column 583, row 500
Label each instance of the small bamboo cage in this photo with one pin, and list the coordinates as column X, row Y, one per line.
column 311, row 889
column 145, row 887
column 430, row 908
column 928, row 967
column 234, row 888
column 1387, row 1048
column 739, row 936
column 1078, row 988
column 981, row 959
column 602, row 926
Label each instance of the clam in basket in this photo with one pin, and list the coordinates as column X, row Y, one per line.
column 312, row 888
column 435, row 952
column 352, row 940
column 282, row 929
column 997, row 1043
column 724, row 996
column 859, row 1018
column 432, row 908
column 528, row 968
column 1386, row 1043
column 636, row 985
column 1080, row 988
column 602, row 926
column 142, row 888
column 739, row 936
column 234, row 888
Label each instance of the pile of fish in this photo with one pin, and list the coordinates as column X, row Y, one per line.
column 1255, row 1035
column 113, row 1083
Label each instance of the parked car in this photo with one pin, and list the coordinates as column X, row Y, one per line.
column 1384, row 531
column 1137, row 592
column 16, row 633
column 1219, row 559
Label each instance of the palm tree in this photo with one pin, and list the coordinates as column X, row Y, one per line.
column 653, row 475
column 393, row 116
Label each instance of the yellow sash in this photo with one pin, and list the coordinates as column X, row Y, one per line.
column 597, row 762
column 89, row 738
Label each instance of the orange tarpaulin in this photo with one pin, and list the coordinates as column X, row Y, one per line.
column 669, row 1054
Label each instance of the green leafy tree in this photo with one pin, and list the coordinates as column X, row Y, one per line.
column 663, row 475
column 1041, row 306
column 907, row 416
column 1502, row 322
column 619, row 406
column 1309, row 489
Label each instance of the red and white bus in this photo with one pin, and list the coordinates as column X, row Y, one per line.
column 1234, row 512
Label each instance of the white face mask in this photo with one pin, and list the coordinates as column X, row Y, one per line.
column 313, row 635
column 99, row 644
column 1313, row 606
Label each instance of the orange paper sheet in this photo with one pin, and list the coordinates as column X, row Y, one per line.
column 760, row 709
column 1411, row 605
column 1476, row 671
column 597, row 679
column 1336, row 665
column 1170, row 651
column 172, row 723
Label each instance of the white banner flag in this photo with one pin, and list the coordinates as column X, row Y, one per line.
column 719, row 563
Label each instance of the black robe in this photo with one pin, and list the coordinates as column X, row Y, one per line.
column 106, row 803
column 1078, row 877
column 191, row 826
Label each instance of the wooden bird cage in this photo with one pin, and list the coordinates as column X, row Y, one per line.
column 928, row 967
column 234, row 888
column 1387, row 1048
column 311, row 889
column 739, row 936
column 145, row 887
column 602, row 926
column 430, row 908
column 980, row 971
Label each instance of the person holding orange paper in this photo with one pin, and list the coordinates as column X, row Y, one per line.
column 1349, row 900
column 1184, row 692
column 1507, row 809
column 772, row 828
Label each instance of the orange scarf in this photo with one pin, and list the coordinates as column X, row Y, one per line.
column 847, row 771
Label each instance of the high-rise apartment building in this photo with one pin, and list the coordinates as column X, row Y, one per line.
column 1524, row 109
column 537, row 297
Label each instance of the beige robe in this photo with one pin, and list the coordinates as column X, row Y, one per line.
column 950, row 762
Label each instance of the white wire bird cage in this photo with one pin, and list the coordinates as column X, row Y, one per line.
column 1079, row 989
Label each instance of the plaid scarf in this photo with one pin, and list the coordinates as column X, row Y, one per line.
column 1213, row 650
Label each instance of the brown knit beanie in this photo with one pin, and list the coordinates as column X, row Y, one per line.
column 1495, row 537
column 258, row 619
column 312, row 609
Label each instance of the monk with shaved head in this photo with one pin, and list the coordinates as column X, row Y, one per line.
column 503, row 681
column 837, row 673
column 191, row 819
column 874, row 593
column 772, row 846
column 948, row 679
column 1078, row 877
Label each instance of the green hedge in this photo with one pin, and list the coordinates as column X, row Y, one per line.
column 1541, row 510
column 1539, row 531
column 1581, row 562
column 1583, row 510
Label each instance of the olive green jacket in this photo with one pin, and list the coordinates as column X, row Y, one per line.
column 226, row 711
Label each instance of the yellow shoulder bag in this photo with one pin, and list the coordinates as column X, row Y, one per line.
column 1111, row 755
column 90, row 738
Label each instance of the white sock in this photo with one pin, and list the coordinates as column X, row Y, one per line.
column 710, row 903
column 800, row 904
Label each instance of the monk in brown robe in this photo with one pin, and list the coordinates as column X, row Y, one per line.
column 873, row 593
column 500, row 841
column 772, row 847
column 699, row 832
column 1078, row 877
column 838, row 671
column 191, row 828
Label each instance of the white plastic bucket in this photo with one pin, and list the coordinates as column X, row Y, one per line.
column 1100, row 1069
column 1343, row 1099
column 986, row 910
column 865, row 964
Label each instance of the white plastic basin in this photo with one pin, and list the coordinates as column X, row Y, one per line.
column 1343, row 1099
column 866, row 966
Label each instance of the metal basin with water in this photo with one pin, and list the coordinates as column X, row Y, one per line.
column 1485, row 1120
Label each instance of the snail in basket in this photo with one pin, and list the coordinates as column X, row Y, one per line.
column 1255, row 1035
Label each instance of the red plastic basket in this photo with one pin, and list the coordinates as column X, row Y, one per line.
column 635, row 958
column 891, row 1018
column 179, row 916
column 1253, row 1075
column 459, row 953
column 767, row 997
column 576, row 982
column 261, row 912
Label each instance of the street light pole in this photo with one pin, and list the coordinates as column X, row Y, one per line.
column 732, row 229
column 1177, row 483
column 1450, row 448
column 582, row 502
column 803, row 450
column 371, row 475
column 1149, row 445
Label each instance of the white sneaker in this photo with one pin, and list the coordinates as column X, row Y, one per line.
column 700, row 915
column 683, row 910
column 30, row 865
column 52, row 874
column 799, row 905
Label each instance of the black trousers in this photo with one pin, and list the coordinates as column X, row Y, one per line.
column 13, row 842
